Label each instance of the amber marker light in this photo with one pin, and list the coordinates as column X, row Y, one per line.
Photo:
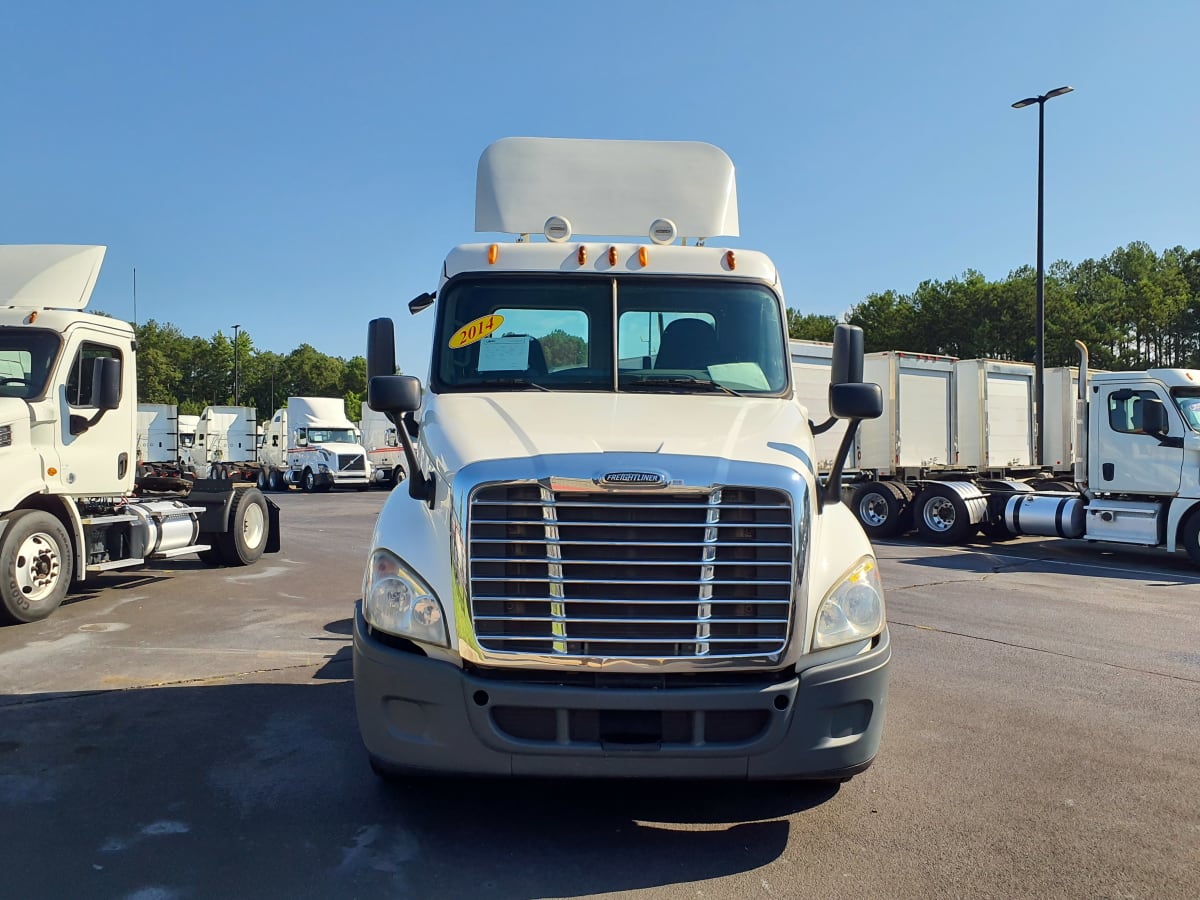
column 730, row 260
column 643, row 257
column 33, row 317
column 612, row 256
column 493, row 254
column 52, row 471
column 582, row 255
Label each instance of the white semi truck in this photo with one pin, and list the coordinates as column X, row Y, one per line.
column 614, row 556
column 311, row 444
column 383, row 448
column 71, row 506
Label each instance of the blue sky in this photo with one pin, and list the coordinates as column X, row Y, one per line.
column 299, row 168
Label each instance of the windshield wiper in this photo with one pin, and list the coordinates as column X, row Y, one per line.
column 684, row 384
column 518, row 383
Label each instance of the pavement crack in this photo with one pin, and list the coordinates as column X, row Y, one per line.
column 1057, row 653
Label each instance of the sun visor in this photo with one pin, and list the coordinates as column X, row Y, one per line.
column 53, row 276
column 563, row 186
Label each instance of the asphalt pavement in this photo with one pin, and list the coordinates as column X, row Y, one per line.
column 185, row 732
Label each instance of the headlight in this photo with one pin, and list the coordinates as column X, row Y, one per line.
column 398, row 602
column 853, row 610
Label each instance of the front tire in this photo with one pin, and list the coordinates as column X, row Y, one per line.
column 1190, row 537
column 36, row 565
column 308, row 481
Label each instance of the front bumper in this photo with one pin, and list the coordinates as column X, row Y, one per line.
column 425, row 716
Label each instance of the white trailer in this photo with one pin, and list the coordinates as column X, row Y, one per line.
column 311, row 444
column 383, row 448
column 226, row 445
column 157, row 435
column 614, row 556
column 71, row 506
column 995, row 417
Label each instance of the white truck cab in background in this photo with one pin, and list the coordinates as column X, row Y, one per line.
column 614, row 556
column 311, row 444
column 383, row 448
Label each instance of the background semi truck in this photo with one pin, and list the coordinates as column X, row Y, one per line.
column 613, row 556
column 71, row 504
column 311, row 444
column 383, row 448
column 1110, row 474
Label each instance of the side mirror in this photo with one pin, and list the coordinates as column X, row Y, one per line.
column 420, row 302
column 302, row 440
column 1154, row 417
column 381, row 348
column 847, row 367
column 855, row 401
column 394, row 393
column 106, row 383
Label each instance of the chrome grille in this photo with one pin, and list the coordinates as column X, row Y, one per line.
column 635, row 575
column 350, row 462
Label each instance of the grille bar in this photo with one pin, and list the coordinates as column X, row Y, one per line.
column 631, row 575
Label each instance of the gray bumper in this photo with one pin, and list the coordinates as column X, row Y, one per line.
column 420, row 715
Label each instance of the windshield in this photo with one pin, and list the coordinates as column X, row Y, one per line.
column 26, row 357
column 331, row 436
column 657, row 335
column 1188, row 401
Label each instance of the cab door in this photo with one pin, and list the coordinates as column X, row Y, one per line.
column 1124, row 458
column 96, row 459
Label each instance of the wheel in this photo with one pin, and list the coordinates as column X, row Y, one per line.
column 211, row 556
column 262, row 479
column 882, row 508
column 246, row 538
column 36, row 565
column 397, row 475
column 1190, row 537
column 308, row 481
column 275, row 481
column 942, row 515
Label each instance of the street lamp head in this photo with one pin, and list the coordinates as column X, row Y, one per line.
column 1058, row 92
column 1028, row 101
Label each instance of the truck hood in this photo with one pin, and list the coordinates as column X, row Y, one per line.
column 461, row 429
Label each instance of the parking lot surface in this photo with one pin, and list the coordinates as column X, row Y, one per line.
column 184, row 732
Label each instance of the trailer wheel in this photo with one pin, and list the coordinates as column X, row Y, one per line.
column 275, row 481
column 308, row 481
column 246, row 538
column 942, row 515
column 36, row 565
column 262, row 480
column 881, row 508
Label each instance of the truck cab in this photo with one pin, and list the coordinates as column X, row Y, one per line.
column 614, row 556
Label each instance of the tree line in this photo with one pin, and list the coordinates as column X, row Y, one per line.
column 194, row 372
column 1135, row 309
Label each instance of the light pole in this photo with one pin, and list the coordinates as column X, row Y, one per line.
column 235, row 363
column 1039, row 386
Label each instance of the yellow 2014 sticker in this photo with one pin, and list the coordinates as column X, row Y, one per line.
column 475, row 331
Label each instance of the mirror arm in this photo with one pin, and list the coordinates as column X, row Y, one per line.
column 824, row 426
column 832, row 489
column 420, row 486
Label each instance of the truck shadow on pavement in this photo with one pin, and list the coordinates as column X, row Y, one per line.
column 1152, row 567
column 245, row 788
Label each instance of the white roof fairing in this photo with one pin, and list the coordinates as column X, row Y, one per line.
column 48, row 276
column 612, row 188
